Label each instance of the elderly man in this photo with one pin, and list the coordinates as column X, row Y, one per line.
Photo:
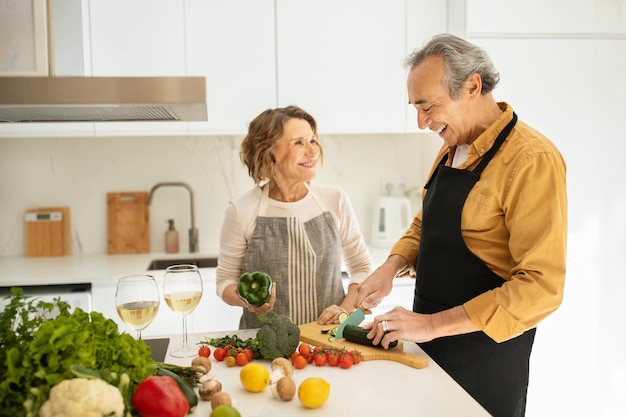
column 489, row 245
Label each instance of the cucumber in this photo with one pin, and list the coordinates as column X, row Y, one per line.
column 342, row 317
column 190, row 393
column 357, row 334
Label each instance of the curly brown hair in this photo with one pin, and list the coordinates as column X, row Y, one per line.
column 264, row 131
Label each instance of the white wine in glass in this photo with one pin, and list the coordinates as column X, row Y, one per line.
column 182, row 290
column 137, row 301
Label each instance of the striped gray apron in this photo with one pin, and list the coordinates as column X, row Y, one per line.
column 303, row 259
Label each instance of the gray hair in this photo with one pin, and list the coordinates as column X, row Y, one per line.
column 461, row 59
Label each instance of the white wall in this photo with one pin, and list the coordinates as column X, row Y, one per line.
column 78, row 172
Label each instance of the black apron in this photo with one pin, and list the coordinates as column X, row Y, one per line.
column 448, row 275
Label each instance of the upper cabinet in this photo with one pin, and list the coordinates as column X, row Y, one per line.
column 546, row 18
column 137, row 38
column 231, row 43
column 342, row 61
column 424, row 19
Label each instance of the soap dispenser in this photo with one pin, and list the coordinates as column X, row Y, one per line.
column 171, row 238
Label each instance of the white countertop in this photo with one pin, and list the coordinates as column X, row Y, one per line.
column 371, row 388
column 368, row 389
column 90, row 268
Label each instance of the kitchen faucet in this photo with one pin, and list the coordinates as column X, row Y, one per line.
column 193, row 232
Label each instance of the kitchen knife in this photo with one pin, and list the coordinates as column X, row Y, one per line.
column 354, row 319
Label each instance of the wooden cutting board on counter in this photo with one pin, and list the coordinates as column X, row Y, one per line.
column 312, row 333
column 128, row 222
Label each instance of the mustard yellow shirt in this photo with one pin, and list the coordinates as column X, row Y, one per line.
column 514, row 220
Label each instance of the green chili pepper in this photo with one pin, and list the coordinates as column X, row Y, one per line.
column 255, row 287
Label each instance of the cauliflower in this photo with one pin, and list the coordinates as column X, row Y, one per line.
column 82, row 397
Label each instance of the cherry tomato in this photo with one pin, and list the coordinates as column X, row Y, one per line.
column 320, row 359
column 219, row 354
column 333, row 359
column 249, row 353
column 293, row 356
column 345, row 361
column 231, row 361
column 356, row 357
column 204, row 351
column 304, row 349
column 241, row 359
column 299, row 362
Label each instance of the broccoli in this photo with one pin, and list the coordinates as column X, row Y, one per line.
column 277, row 337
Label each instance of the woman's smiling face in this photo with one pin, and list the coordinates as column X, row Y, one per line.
column 296, row 153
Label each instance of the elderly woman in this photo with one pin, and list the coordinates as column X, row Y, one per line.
column 290, row 227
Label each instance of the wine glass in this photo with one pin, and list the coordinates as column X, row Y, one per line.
column 137, row 301
column 182, row 290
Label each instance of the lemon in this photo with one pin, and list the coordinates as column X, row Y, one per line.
column 225, row 410
column 254, row 377
column 313, row 392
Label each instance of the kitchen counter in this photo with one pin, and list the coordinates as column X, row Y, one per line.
column 371, row 388
column 89, row 282
column 71, row 269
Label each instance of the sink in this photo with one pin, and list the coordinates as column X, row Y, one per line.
column 199, row 262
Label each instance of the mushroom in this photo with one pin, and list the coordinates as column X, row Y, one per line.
column 209, row 387
column 202, row 362
column 281, row 367
column 220, row 398
column 285, row 389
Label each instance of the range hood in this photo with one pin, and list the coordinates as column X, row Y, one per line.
column 102, row 99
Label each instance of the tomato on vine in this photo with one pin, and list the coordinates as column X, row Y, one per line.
column 304, row 349
column 204, row 351
column 220, row 354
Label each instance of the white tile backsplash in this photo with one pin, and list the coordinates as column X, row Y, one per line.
column 78, row 172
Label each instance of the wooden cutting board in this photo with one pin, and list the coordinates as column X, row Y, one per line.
column 128, row 222
column 312, row 333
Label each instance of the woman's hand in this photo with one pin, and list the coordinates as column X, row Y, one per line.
column 263, row 308
column 330, row 315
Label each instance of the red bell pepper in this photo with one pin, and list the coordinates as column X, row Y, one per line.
column 160, row 396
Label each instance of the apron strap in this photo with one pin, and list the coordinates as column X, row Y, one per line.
column 496, row 145
column 486, row 158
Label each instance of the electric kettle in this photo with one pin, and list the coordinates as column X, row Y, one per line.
column 391, row 216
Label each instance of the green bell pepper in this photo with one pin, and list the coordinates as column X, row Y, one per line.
column 255, row 287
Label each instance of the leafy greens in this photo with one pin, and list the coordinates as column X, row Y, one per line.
column 37, row 352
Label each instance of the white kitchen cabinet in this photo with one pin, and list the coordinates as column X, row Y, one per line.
column 231, row 43
column 424, row 19
column 560, row 17
column 212, row 314
column 103, row 301
column 342, row 61
column 138, row 38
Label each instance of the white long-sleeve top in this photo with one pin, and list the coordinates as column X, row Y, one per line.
column 240, row 221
